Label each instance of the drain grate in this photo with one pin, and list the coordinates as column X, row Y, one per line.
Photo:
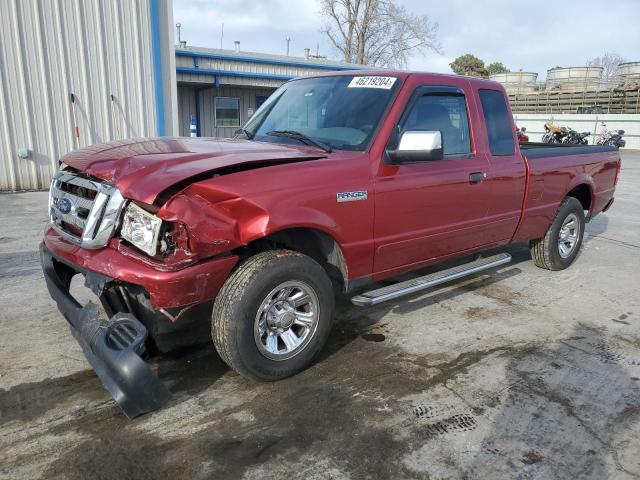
column 423, row 411
column 606, row 352
column 456, row 423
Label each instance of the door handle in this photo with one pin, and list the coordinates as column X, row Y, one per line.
column 477, row 177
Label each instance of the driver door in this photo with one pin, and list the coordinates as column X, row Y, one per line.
column 430, row 209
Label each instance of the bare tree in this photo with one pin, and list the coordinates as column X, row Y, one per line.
column 377, row 32
column 609, row 62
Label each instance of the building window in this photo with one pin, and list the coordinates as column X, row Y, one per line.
column 227, row 112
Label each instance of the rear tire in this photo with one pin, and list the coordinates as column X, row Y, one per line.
column 273, row 315
column 561, row 244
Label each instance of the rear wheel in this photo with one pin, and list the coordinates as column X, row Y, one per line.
column 560, row 245
column 273, row 315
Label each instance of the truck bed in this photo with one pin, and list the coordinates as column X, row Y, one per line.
column 554, row 170
column 534, row 150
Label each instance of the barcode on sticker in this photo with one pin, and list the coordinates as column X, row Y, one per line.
column 372, row 82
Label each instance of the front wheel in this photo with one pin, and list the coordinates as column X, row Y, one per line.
column 560, row 245
column 273, row 315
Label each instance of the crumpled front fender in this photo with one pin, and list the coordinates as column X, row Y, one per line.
column 214, row 228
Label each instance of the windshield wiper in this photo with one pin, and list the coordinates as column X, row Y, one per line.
column 245, row 132
column 302, row 137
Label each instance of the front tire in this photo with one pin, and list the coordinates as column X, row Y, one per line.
column 560, row 245
column 273, row 315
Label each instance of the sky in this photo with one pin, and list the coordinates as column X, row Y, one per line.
column 531, row 36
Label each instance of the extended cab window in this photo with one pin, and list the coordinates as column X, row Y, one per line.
column 446, row 113
column 498, row 122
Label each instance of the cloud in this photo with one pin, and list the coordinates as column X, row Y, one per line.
column 528, row 36
column 521, row 35
column 259, row 26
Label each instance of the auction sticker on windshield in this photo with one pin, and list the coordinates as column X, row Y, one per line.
column 372, row 82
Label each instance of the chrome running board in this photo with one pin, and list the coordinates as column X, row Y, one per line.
column 373, row 297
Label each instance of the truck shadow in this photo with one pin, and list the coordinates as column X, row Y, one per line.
column 597, row 226
column 352, row 322
column 191, row 369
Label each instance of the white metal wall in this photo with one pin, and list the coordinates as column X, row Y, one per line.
column 630, row 123
column 94, row 49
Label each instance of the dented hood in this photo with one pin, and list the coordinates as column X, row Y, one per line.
column 144, row 168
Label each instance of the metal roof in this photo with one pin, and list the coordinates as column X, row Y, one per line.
column 266, row 58
column 231, row 67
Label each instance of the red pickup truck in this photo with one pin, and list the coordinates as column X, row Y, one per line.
column 336, row 182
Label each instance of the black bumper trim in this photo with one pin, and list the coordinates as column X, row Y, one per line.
column 112, row 347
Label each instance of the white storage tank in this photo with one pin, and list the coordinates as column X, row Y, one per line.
column 629, row 70
column 574, row 78
column 516, row 82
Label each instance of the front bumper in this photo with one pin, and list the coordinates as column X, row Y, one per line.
column 112, row 347
column 166, row 288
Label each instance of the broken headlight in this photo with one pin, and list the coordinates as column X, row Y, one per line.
column 141, row 229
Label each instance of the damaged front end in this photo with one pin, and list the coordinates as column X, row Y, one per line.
column 113, row 347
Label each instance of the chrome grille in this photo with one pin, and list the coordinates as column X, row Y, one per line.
column 84, row 211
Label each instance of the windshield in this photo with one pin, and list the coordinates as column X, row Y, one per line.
column 341, row 112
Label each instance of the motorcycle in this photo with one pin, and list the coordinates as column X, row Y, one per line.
column 553, row 134
column 576, row 138
column 522, row 136
column 611, row 137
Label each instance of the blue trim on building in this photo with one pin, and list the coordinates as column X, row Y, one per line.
column 226, row 73
column 156, row 53
column 197, row 99
column 265, row 61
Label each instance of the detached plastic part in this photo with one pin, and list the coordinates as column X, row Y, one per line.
column 113, row 347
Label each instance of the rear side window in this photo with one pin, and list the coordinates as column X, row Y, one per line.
column 446, row 113
column 496, row 117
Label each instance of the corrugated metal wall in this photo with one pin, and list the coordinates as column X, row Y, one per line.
column 187, row 107
column 99, row 50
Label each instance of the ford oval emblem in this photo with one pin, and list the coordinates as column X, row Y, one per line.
column 64, row 205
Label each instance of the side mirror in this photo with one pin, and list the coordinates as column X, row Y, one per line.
column 415, row 146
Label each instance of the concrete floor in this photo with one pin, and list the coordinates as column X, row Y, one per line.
column 521, row 373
